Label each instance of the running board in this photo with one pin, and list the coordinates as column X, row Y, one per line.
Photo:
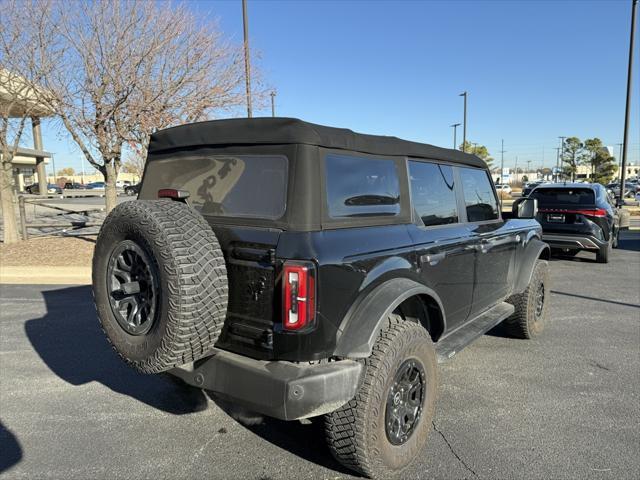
column 463, row 336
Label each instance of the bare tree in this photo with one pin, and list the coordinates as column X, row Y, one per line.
column 21, row 73
column 131, row 67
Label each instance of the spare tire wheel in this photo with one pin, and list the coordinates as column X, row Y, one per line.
column 159, row 284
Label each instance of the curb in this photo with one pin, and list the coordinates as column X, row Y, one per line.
column 45, row 275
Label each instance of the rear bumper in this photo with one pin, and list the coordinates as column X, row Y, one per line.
column 581, row 242
column 283, row 390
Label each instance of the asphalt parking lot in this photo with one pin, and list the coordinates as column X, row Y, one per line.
column 564, row 406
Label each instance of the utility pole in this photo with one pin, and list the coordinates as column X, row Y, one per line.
column 247, row 66
column 620, row 160
column 625, row 140
column 501, row 168
column 273, row 104
column 562, row 150
column 529, row 168
column 516, row 168
column 464, row 126
column 53, row 164
column 455, row 128
column 555, row 175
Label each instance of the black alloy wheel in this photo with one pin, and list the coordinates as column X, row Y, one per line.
column 404, row 402
column 133, row 287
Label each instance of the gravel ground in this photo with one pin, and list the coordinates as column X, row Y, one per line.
column 49, row 251
column 566, row 406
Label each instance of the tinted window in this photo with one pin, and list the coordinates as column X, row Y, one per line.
column 566, row 196
column 432, row 193
column 228, row 186
column 480, row 201
column 361, row 187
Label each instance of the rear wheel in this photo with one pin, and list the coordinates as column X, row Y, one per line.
column 382, row 430
column 530, row 315
column 159, row 283
column 602, row 255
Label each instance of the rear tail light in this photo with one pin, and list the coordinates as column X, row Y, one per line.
column 589, row 212
column 299, row 294
column 173, row 194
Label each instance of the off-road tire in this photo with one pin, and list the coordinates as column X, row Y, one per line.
column 603, row 253
column 191, row 278
column 356, row 432
column 528, row 321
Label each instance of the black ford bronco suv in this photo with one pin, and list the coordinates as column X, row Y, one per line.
column 302, row 271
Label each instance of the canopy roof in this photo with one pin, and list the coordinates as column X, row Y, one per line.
column 278, row 131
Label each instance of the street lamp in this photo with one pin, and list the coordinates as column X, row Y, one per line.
column 464, row 121
column 247, row 66
column 273, row 104
column 455, row 128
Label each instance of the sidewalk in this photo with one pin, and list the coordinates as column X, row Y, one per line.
column 45, row 275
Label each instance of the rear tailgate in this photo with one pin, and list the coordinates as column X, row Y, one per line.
column 241, row 197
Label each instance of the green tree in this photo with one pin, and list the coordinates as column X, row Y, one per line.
column 603, row 165
column 572, row 156
column 478, row 150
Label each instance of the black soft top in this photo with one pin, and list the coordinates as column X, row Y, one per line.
column 279, row 131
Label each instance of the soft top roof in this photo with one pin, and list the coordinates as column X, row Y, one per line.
column 278, row 131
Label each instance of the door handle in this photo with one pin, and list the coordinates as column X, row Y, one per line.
column 433, row 258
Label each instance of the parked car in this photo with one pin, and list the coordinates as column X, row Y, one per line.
column 122, row 183
column 316, row 271
column 51, row 188
column 501, row 187
column 629, row 189
column 132, row 189
column 74, row 186
column 96, row 186
column 528, row 187
column 577, row 217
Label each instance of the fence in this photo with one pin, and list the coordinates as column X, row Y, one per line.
column 40, row 202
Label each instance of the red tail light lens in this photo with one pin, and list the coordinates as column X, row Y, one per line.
column 173, row 194
column 299, row 294
column 590, row 212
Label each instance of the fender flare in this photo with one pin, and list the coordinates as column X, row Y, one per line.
column 360, row 328
column 534, row 249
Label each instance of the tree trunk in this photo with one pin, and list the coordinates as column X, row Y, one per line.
column 9, row 221
column 110, row 194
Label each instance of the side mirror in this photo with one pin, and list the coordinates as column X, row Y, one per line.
column 525, row 208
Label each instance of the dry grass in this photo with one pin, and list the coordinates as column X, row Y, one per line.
column 49, row 251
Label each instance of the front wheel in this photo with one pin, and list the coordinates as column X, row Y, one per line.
column 530, row 315
column 384, row 428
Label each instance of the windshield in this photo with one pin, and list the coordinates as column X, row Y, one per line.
column 564, row 196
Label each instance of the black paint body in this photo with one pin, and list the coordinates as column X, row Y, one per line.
column 467, row 267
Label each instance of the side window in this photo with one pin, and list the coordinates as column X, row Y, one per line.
column 432, row 193
column 479, row 199
column 361, row 186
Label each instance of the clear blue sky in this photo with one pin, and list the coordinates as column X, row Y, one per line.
column 534, row 70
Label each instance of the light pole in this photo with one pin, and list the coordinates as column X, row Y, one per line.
column 501, row 168
column 455, row 128
column 247, row 66
column 273, row 104
column 562, row 150
column 620, row 161
column 555, row 175
column 464, row 121
column 625, row 140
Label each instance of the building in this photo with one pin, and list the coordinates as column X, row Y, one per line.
column 18, row 100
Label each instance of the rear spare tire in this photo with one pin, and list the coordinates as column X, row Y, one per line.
column 159, row 284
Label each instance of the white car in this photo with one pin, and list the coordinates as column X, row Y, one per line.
column 504, row 188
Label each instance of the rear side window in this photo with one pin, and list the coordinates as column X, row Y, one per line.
column 432, row 193
column 480, row 201
column 250, row 186
column 564, row 196
column 361, row 186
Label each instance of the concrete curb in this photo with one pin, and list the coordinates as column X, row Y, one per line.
column 45, row 275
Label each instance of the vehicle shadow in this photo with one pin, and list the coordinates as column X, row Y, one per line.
column 306, row 440
column 70, row 342
column 10, row 449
